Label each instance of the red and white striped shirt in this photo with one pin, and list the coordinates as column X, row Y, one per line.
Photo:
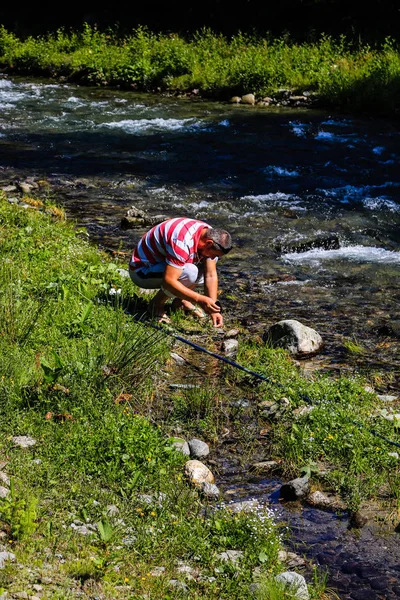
column 174, row 242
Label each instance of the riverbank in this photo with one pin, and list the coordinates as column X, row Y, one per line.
column 335, row 74
column 100, row 492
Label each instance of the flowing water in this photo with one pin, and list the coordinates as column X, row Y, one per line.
column 281, row 180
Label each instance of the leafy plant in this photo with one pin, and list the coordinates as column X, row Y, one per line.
column 19, row 513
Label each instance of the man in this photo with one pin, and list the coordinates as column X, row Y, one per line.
column 176, row 256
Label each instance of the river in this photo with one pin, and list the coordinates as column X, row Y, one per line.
column 283, row 181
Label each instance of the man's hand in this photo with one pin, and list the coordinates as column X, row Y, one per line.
column 217, row 319
column 208, row 304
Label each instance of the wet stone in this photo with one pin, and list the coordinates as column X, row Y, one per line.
column 368, row 571
column 326, row 559
column 364, row 594
column 380, row 583
column 352, row 568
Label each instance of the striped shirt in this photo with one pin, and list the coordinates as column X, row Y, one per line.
column 173, row 242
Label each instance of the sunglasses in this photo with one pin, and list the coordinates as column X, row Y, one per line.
column 223, row 250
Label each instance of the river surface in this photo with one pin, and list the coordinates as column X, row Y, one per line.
column 280, row 180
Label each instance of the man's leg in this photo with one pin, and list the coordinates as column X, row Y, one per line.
column 191, row 277
column 151, row 279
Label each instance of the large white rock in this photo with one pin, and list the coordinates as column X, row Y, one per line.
column 293, row 336
column 295, row 584
column 198, row 473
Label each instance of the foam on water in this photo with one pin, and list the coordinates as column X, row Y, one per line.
column 363, row 194
column 274, row 199
column 144, row 125
column 337, row 123
column 4, row 83
column 357, row 254
column 280, row 171
column 299, row 129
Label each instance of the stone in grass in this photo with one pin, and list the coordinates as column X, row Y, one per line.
column 209, row 490
column 6, row 556
column 181, row 445
column 23, row 441
column 4, row 491
column 198, row 448
column 295, row 337
column 198, row 473
column 230, row 347
column 232, row 556
column 294, row 583
column 4, row 478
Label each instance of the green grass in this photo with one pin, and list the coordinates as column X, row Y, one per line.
column 100, row 500
column 338, row 72
column 339, row 442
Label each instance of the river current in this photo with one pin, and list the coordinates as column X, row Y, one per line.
column 311, row 198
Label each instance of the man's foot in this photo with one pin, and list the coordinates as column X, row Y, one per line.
column 163, row 319
column 188, row 308
column 156, row 306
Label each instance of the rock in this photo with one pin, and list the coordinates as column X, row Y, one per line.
column 294, row 583
column 357, row 520
column 387, row 398
column 232, row 556
column 131, row 222
column 178, row 585
column 295, row 489
column 232, row 333
column 248, row 99
column 178, row 359
column 265, row 101
column 157, row 571
column 293, row 336
column 265, row 466
column 302, row 411
column 26, row 188
column 23, row 441
column 6, row 556
column 181, row 445
column 4, row 491
column 112, row 510
column 245, row 506
column 319, row 500
column 291, row 559
column 274, row 410
column 235, row 100
column 209, row 490
column 230, row 347
column 324, row 242
column 198, row 473
column 198, row 448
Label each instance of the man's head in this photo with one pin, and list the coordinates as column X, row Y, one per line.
column 214, row 242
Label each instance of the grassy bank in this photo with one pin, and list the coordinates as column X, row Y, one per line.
column 337, row 73
column 98, row 504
